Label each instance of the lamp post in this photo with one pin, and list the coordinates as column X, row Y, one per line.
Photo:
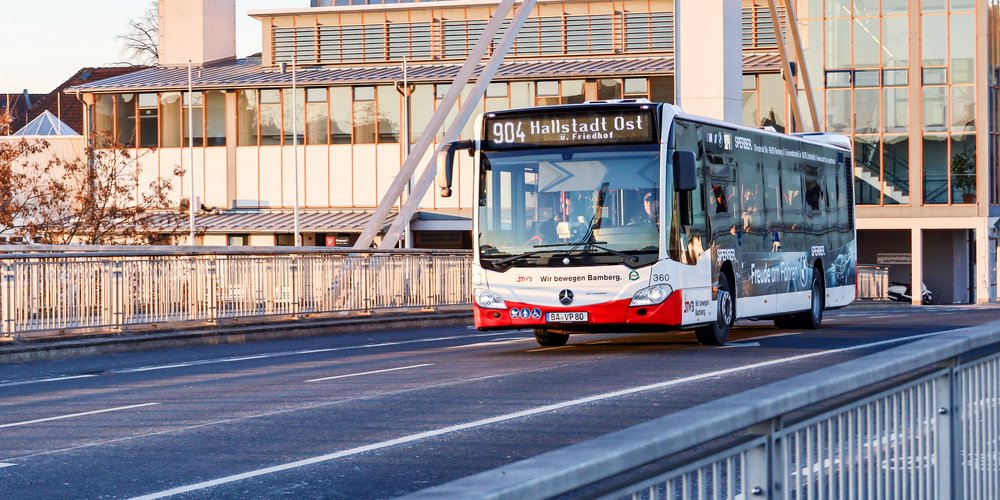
column 191, row 207
column 295, row 154
column 406, row 91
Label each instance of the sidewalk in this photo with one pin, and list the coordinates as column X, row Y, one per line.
column 51, row 348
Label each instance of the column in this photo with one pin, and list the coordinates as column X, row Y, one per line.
column 709, row 56
column 916, row 265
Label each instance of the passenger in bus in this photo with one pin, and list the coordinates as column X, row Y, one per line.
column 544, row 227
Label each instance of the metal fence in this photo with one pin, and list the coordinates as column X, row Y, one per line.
column 110, row 289
column 921, row 421
column 873, row 282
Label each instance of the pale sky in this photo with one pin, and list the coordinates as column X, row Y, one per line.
column 44, row 43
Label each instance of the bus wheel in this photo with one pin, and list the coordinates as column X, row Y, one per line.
column 813, row 318
column 717, row 332
column 549, row 339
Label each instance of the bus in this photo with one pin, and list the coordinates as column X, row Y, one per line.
column 632, row 216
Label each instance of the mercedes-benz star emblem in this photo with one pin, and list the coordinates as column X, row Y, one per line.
column 566, row 297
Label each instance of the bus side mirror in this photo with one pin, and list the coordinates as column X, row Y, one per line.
column 446, row 164
column 685, row 178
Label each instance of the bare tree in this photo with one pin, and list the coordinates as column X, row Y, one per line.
column 103, row 201
column 22, row 189
column 141, row 41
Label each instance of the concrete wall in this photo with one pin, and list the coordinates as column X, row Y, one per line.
column 201, row 31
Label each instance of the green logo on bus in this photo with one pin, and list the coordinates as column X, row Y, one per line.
column 634, row 275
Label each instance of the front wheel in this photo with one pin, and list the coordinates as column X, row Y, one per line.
column 717, row 332
column 813, row 318
column 546, row 338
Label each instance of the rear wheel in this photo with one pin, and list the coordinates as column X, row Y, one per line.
column 549, row 339
column 717, row 332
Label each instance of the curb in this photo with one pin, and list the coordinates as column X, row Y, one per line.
column 54, row 349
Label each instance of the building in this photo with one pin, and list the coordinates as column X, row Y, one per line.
column 914, row 84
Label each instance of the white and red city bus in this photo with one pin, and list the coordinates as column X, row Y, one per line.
column 631, row 216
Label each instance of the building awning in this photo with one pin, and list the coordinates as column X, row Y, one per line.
column 247, row 73
column 267, row 221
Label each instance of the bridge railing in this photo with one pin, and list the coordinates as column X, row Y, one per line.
column 873, row 282
column 917, row 421
column 113, row 288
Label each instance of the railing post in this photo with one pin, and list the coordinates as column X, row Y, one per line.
column 116, row 296
column 7, row 300
column 948, row 435
column 762, row 476
column 212, row 282
column 293, row 292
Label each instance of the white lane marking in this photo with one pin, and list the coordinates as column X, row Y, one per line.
column 490, row 343
column 72, row 415
column 509, row 416
column 42, row 380
column 882, row 316
column 740, row 344
column 2, row 465
column 763, row 337
column 370, row 373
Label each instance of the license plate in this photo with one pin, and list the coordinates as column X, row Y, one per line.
column 566, row 317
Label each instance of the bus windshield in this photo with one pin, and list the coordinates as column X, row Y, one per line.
column 598, row 202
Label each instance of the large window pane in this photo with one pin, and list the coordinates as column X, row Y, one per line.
column 270, row 116
column 965, row 5
column 935, row 109
column 298, row 114
column 963, row 109
column 104, row 118
column 317, row 116
column 609, row 88
column 838, row 8
column 838, row 44
column 388, row 115
column 838, row 110
column 866, row 111
column 865, row 8
column 772, row 101
column 661, row 89
column 573, row 92
column 421, row 110
column 867, row 180
column 246, row 117
column 935, row 169
column 340, row 115
column 546, row 93
column 364, row 115
column 522, row 94
column 867, row 42
column 192, row 118
column 215, row 117
column 934, row 38
column 125, row 109
column 149, row 118
column 933, row 5
column 963, row 48
column 896, row 109
column 170, row 116
column 896, row 169
column 895, row 39
column 750, row 108
column 963, row 168
column 891, row 6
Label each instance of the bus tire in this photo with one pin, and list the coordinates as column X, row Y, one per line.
column 813, row 318
column 717, row 332
column 546, row 338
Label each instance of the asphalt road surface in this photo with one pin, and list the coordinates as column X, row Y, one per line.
column 377, row 415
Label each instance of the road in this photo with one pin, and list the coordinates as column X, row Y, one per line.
column 377, row 415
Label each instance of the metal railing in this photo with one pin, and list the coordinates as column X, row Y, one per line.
column 114, row 288
column 917, row 421
column 873, row 282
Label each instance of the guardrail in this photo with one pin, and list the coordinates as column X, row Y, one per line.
column 917, row 421
column 873, row 282
column 112, row 288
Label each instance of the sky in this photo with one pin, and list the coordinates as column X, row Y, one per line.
column 42, row 44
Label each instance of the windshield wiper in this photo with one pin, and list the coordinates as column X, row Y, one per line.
column 513, row 258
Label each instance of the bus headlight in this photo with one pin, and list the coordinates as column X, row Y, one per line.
column 651, row 296
column 488, row 299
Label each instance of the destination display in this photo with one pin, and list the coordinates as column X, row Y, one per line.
column 568, row 128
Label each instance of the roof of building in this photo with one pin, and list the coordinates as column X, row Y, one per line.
column 46, row 124
column 247, row 73
column 18, row 105
column 268, row 221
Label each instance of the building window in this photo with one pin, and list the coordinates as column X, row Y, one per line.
column 293, row 131
column 270, row 117
column 104, row 119
column 149, row 121
column 170, row 126
column 340, row 115
column 317, row 116
column 125, row 105
column 573, row 92
column 237, row 240
column 895, row 77
column 388, row 114
column 636, row 87
column 246, row 117
column 609, row 88
column 215, row 118
column 364, row 115
column 284, row 240
column 838, row 79
column 194, row 129
column 421, row 110
column 866, row 78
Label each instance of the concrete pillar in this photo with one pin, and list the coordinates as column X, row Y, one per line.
column 916, row 265
column 709, row 57
column 982, row 285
